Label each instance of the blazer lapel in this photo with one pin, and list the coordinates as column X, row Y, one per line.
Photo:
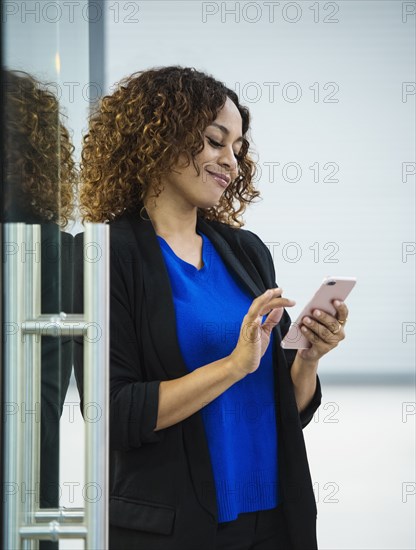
column 232, row 255
column 159, row 299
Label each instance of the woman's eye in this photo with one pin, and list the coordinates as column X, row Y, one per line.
column 216, row 144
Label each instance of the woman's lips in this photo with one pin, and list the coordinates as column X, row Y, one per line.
column 221, row 180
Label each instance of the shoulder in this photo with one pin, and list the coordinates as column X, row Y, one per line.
column 241, row 238
column 66, row 238
column 234, row 233
column 124, row 252
column 121, row 233
column 121, row 230
column 125, row 249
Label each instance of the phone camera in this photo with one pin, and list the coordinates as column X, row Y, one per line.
column 331, row 283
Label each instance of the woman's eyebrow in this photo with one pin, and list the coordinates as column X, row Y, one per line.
column 225, row 130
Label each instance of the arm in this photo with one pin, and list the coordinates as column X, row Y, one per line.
column 184, row 396
column 133, row 400
column 304, row 377
column 324, row 332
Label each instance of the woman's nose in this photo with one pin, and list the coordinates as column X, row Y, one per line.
column 228, row 160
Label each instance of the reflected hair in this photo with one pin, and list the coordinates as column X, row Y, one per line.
column 40, row 173
column 138, row 133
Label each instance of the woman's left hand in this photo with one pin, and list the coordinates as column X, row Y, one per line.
column 324, row 331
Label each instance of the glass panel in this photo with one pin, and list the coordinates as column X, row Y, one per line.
column 45, row 81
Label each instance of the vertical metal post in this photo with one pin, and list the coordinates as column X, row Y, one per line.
column 96, row 387
column 31, row 408
column 14, row 315
column 23, row 327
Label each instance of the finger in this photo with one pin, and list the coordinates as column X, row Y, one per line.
column 272, row 319
column 273, row 304
column 271, row 293
column 326, row 319
column 311, row 336
column 274, row 294
column 267, row 301
column 342, row 311
column 259, row 307
column 318, row 344
column 325, row 333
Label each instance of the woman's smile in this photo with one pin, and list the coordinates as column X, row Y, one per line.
column 222, row 179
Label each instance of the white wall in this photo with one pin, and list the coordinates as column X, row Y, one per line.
column 353, row 212
column 356, row 224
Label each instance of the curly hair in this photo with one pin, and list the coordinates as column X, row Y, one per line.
column 137, row 134
column 40, row 172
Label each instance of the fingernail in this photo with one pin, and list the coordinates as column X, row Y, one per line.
column 307, row 320
column 317, row 312
column 337, row 303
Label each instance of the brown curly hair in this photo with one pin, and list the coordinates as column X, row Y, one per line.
column 40, row 173
column 137, row 134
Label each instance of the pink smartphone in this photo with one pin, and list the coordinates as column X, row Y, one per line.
column 332, row 288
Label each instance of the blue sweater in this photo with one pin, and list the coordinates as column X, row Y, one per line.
column 240, row 423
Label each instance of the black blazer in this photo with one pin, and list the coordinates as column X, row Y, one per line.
column 161, row 483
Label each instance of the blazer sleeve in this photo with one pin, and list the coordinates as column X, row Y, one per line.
column 307, row 414
column 133, row 401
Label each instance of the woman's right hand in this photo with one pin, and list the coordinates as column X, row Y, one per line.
column 254, row 336
column 181, row 397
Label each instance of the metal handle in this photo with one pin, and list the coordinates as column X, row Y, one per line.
column 24, row 523
column 96, row 381
column 14, row 312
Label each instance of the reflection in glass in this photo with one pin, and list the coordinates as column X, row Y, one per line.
column 40, row 171
column 40, row 180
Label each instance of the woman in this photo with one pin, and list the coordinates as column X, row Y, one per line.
column 207, row 409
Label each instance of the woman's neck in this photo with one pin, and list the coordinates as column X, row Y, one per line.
column 171, row 219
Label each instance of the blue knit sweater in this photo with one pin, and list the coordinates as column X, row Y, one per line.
column 240, row 424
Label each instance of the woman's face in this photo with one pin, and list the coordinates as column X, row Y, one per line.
column 217, row 163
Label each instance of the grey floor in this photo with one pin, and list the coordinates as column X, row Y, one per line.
column 361, row 449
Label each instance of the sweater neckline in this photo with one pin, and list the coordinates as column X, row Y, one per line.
column 190, row 268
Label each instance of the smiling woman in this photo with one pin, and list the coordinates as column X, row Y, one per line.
column 214, row 172
column 196, row 321
column 156, row 121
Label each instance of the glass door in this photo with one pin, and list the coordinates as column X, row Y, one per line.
column 46, row 95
